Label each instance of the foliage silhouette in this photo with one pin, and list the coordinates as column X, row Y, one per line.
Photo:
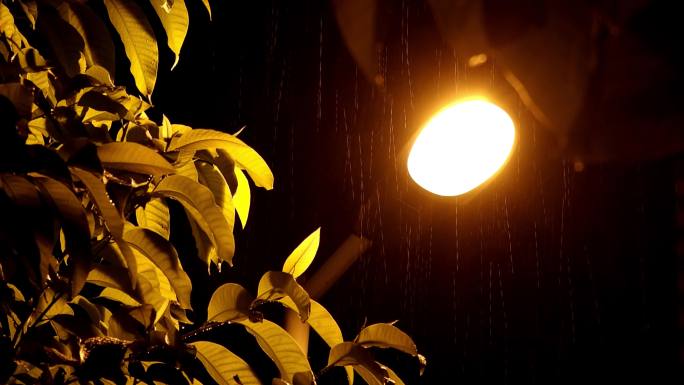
column 91, row 288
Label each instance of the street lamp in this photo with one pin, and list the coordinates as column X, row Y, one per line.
column 461, row 147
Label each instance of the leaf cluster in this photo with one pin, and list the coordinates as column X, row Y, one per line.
column 92, row 290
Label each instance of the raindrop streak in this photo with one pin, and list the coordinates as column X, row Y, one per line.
column 319, row 95
column 505, row 322
column 564, row 258
column 508, row 231
column 458, row 253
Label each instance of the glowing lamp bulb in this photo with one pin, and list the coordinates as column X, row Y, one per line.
column 461, row 147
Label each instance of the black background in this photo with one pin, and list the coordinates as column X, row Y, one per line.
column 546, row 275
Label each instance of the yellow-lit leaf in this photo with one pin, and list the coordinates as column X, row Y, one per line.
column 383, row 335
column 99, row 47
column 133, row 157
column 279, row 346
column 119, row 296
column 223, row 365
column 208, row 7
column 199, row 202
column 302, row 256
column 138, row 40
column 59, row 306
column 323, row 323
column 242, row 197
column 210, row 176
column 275, row 285
column 99, row 195
column 228, row 303
column 352, row 354
column 394, row 377
column 154, row 216
column 154, row 275
column 244, row 156
column 175, row 22
column 162, row 253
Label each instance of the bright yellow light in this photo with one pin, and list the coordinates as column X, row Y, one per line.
column 461, row 147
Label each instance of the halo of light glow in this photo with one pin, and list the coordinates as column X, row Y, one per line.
column 461, row 147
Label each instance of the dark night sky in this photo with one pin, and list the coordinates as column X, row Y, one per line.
column 547, row 275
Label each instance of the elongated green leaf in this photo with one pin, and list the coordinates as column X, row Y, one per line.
column 175, row 22
column 244, row 156
column 133, row 157
column 223, row 365
column 383, row 335
column 155, row 216
column 138, row 40
column 279, row 346
column 162, row 253
column 99, row 47
column 302, row 256
column 275, row 285
column 210, row 176
column 228, row 303
column 242, row 196
column 199, row 200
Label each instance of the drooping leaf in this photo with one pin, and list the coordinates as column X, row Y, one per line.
column 138, row 40
column 111, row 276
column 99, row 195
column 302, row 256
column 119, row 296
column 98, row 44
column 275, row 285
column 383, row 335
column 394, row 377
column 74, row 224
column 223, row 365
column 175, row 22
column 242, row 196
column 133, row 157
column 154, row 287
column 279, row 346
column 320, row 321
column 228, row 303
column 352, row 354
column 57, row 305
column 199, row 201
column 210, row 176
column 323, row 323
column 244, row 156
column 67, row 45
column 162, row 253
column 187, row 169
column 30, row 9
column 208, row 7
column 155, row 216
column 25, row 195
